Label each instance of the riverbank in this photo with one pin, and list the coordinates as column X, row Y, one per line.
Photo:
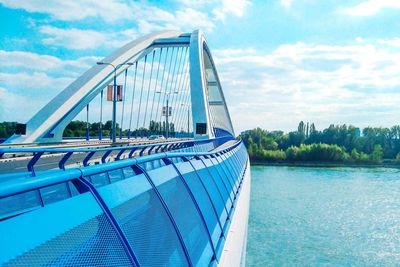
column 384, row 164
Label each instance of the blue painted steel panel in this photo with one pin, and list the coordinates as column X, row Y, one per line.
column 218, row 198
column 203, row 200
column 185, row 214
column 223, row 183
column 13, row 205
column 144, row 222
column 71, row 232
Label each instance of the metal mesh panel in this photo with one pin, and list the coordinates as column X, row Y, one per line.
column 187, row 218
column 93, row 243
column 226, row 170
column 55, row 193
column 19, row 203
column 203, row 201
column 115, row 175
column 223, row 185
column 212, row 189
column 232, row 164
column 151, row 165
column 148, row 229
column 100, row 179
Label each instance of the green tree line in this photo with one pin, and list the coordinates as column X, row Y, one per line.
column 337, row 143
column 78, row 129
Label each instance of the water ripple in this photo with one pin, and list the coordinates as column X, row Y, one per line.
column 324, row 217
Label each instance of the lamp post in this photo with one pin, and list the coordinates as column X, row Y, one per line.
column 188, row 115
column 114, row 114
column 167, row 110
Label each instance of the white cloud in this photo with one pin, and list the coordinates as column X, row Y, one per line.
column 228, row 7
column 9, row 101
column 108, row 10
column 30, row 80
column 371, row 7
column 286, row 3
column 325, row 84
column 29, row 83
column 77, row 39
column 391, row 42
column 143, row 16
column 44, row 63
column 189, row 16
column 359, row 39
column 73, row 38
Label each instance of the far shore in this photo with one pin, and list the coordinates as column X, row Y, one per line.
column 326, row 164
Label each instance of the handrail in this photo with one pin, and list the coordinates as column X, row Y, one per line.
column 39, row 152
column 52, row 177
column 81, row 150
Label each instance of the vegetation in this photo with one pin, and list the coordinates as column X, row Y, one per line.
column 340, row 143
column 337, row 143
column 7, row 129
column 78, row 129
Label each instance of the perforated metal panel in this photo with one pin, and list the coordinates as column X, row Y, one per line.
column 93, row 243
column 222, row 182
column 89, row 241
column 20, row 203
column 187, row 218
column 217, row 197
column 226, row 170
column 145, row 223
column 203, row 200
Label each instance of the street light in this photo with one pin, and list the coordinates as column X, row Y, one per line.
column 114, row 115
column 167, row 111
column 188, row 114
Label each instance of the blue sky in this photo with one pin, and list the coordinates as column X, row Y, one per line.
column 280, row 61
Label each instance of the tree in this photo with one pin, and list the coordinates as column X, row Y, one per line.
column 301, row 128
column 377, row 153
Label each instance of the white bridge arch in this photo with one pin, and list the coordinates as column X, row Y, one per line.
column 210, row 116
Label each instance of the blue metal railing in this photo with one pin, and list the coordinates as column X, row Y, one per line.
column 197, row 145
column 178, row 168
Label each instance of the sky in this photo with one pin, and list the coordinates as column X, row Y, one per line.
column 279, row 61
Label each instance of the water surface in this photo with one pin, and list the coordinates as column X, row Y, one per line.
column 324, row 217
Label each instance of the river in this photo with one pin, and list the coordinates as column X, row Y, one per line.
column 324, row 217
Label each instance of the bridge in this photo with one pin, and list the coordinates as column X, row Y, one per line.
column 166, row 184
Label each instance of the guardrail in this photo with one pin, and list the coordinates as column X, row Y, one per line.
column 127, row 151
column 170, row 208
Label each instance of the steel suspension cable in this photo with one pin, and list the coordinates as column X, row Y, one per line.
column 167, row 81
column 133, row 98
column 182, row 86
column 167, row 93
column 123, row 105
column 183, row 70
column 148, row 90
column 101, row 116
column 87, row 122
column 174, row 87
column 141, row 93
column 181, row 105
column 168, row 126
column 155, row 90
column 185, row 99
column 162, row 80
column 181, row 67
